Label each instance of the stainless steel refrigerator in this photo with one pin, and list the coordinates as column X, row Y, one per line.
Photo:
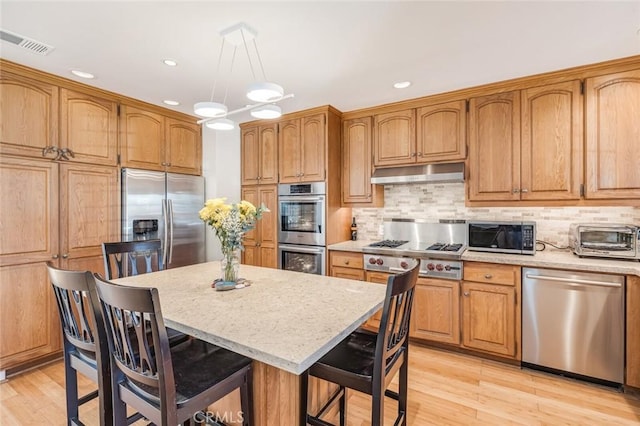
column 165, row 206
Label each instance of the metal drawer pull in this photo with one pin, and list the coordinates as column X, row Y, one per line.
column 570, row 281
column 488, row 276
column 466, row 294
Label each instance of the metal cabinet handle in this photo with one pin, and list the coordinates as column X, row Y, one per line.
column 346, row 262
column 50, row 149
column 55, row 256
column 413, row 154
column 488, row 276
column 419, row 154
column 465, row 294
column 524, row 190
column 301, row 174
column 66, row 255
column 163, row 164
column 515, row 191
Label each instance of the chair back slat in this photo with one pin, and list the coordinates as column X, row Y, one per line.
column 142, row 355
column 396, row 315
column 131, row 258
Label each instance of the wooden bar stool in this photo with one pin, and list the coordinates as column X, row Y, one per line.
column 367, row 362
column 168, row 385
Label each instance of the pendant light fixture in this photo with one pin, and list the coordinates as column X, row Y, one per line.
column 263, row 92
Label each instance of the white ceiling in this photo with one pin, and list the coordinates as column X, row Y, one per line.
column 346, row 54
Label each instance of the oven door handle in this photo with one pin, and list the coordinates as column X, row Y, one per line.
column 314, row 199
column 301, row 249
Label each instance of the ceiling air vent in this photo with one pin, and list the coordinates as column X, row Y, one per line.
column 26, row 43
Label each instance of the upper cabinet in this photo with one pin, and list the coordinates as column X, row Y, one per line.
column 613, row 136
column 441, row 132
column 259, row 153
column 394, row 138
column 89, row 127
column 526, row 145
column 429, row 134
column 357, row 164
column 151, row 141
column 301, row 149
column 28, row 115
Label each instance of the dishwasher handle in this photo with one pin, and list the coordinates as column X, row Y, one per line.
column 574, row 281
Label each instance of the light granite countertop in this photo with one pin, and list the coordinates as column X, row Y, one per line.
column 553, row 259
column 285, row 319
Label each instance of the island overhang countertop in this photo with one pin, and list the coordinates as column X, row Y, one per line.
column 285, row 319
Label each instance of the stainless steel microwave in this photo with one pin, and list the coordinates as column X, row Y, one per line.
column 502, row 237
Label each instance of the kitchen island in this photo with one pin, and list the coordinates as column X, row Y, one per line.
column 285, row 321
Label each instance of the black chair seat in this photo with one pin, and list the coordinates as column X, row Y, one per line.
column 198, row 366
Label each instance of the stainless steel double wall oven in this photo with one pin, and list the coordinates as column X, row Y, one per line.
column 302, row 227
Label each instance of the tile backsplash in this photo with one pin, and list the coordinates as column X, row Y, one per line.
column 446, row 201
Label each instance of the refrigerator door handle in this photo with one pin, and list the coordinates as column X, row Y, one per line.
column 166, row 233
column 170, row 202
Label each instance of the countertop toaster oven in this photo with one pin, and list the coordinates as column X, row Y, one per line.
column 617, row 241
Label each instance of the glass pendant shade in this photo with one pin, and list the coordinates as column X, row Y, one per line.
column 221, row 124
column 265, row 91
column 267, row 111
column 210, row 109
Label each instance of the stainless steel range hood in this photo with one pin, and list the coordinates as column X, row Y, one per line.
column 429, row 173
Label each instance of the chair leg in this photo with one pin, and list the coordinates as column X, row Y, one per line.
column 343, row 407
column 71, row 387
column 246, row 398
column 377, row 408
column 119, row 407
column 402, row 392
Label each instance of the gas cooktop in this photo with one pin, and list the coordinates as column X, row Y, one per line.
column 389, row 243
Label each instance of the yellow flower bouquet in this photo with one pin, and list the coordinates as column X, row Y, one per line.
column 230, row 222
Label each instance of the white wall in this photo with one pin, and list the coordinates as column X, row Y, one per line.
column 221, row 170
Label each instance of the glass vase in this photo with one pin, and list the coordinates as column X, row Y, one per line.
column 230, row 265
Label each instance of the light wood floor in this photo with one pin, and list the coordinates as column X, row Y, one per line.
column 445, row 389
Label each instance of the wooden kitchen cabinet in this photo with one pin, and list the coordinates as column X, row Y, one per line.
column 301, row 149
column 632, row 371
column 29, row 111
column 613, row 136
column 436, row 311
column 259, row 154
column 373, row 323
column 357, row 164
column 58, row 212
column 261, row 243
column 491, row 308
column 394, row 138
column 151, row 141
column 441, row 132
column 526, row 145
column 89, row 127
column 345, row 264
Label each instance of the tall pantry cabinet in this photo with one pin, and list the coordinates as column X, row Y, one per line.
column 59, row 192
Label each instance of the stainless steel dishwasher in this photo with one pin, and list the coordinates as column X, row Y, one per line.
column 574, row 322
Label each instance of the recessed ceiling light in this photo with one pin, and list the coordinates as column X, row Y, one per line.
column 402, row 84
column 170, row 102
column 170, row 62
column 82, row 74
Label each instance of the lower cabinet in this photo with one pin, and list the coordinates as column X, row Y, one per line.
column 261, row 243
column 436, row 311
column 378, row 278
column 632, row 374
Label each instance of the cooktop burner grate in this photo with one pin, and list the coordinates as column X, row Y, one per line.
column 444, row 247
column 388, row 243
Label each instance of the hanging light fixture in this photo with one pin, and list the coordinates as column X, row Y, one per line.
column 264, row 92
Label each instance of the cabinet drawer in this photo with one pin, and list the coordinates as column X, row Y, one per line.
column 491, row 273
column 347, row 259
column 350, row 273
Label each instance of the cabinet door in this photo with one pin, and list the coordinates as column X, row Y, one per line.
column 379, row 278
column 312, row 151
column 268, row 159
column 28, row 210
column 489, row 318
column 632, row 373
column 141, row 139
column 89, row 209
column 436, row 311
column 551, row 167
column 494, row 147
column 289, row 151
column 394, row 138
column 356, row 161
column 250, row 155
column 89, row 127
column 350, row 273
column 269, row 226
column 183, row 147
column 28, row 115
column 29, row 323
column 441, row 132
column 613, row 136
column 251, row 238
